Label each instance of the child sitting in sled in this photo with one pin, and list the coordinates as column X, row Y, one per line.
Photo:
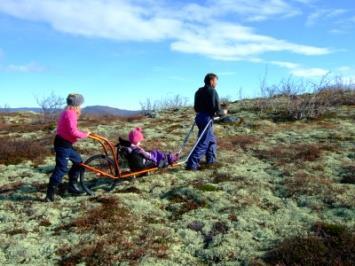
column 139, row 159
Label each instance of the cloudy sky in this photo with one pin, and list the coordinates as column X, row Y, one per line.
column 120, row 52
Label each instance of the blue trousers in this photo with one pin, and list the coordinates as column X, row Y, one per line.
column 62, row 157
column 208, row 144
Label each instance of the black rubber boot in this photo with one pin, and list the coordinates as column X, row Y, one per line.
column 51, row 191
column 73, row 187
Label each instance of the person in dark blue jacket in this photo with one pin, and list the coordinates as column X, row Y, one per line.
column 206, row 107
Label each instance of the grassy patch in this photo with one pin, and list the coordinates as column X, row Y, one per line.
column 205, row 187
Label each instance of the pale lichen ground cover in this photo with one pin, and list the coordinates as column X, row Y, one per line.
column 229, row 214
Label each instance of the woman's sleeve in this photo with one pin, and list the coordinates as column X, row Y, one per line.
column 73, row 126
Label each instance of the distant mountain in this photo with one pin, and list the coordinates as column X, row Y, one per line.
column 96, row 109
column 106, row 110
column 21, row 109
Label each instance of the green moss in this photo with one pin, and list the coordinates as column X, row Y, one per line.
column 207, row 187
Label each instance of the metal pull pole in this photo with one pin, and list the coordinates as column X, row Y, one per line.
column 187, row 138
column 198, row 140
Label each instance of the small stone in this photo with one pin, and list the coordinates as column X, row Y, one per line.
column 196, row 226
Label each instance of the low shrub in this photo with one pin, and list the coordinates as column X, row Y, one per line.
column 8, row 188
column 30, row 127
column 169, row 103
column 24, row 123
column 118, row 237
column 327, row 244
column 219, row 177
column 287, row 101
column 183, row 200
column 302, row 183
column 242, row 141
column 87, row 120
column 15, row 151
column 347, row 174
column 294, row 153
column 16, row 231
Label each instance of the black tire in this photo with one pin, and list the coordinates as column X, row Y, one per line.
column 92, row 183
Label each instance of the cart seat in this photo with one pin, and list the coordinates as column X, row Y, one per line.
column 135, row 160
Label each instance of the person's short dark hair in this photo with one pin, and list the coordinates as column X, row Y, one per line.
column 209, row 77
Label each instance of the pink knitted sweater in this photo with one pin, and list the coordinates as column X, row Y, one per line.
column 67, row 126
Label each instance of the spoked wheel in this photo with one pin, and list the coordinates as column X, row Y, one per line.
column 91, row 182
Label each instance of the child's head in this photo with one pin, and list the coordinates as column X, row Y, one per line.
column 74, row 101
column 136, row 136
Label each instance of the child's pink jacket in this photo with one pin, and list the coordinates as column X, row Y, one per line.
column 67, row 127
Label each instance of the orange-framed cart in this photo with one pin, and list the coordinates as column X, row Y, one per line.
column 102, row 171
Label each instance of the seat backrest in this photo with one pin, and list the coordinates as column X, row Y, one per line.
column 134, row 159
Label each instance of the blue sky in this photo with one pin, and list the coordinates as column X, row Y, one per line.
column 120, row 52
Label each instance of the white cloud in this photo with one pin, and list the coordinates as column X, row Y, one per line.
column 324, row 14
column 288, row 65
column 309, row 72
column 26, row 68
column 190, row 28
column 256, row 10
column 345, row 73
column 339, row 21
column 298, row 70
column 225, row 41
column 118, row 20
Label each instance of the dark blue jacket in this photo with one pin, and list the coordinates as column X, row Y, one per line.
column 207, row 101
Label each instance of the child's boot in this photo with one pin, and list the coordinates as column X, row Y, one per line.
column 173, row 158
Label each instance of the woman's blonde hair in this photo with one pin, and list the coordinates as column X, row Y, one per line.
column 77, row 109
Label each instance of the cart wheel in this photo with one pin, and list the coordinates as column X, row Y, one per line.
column 92, row 182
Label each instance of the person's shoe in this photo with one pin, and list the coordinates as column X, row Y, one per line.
column 51, row 191
column 173, row 158
column 189, row 168
column 73, row 188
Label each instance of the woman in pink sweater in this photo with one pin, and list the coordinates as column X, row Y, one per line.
column 67, row 134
